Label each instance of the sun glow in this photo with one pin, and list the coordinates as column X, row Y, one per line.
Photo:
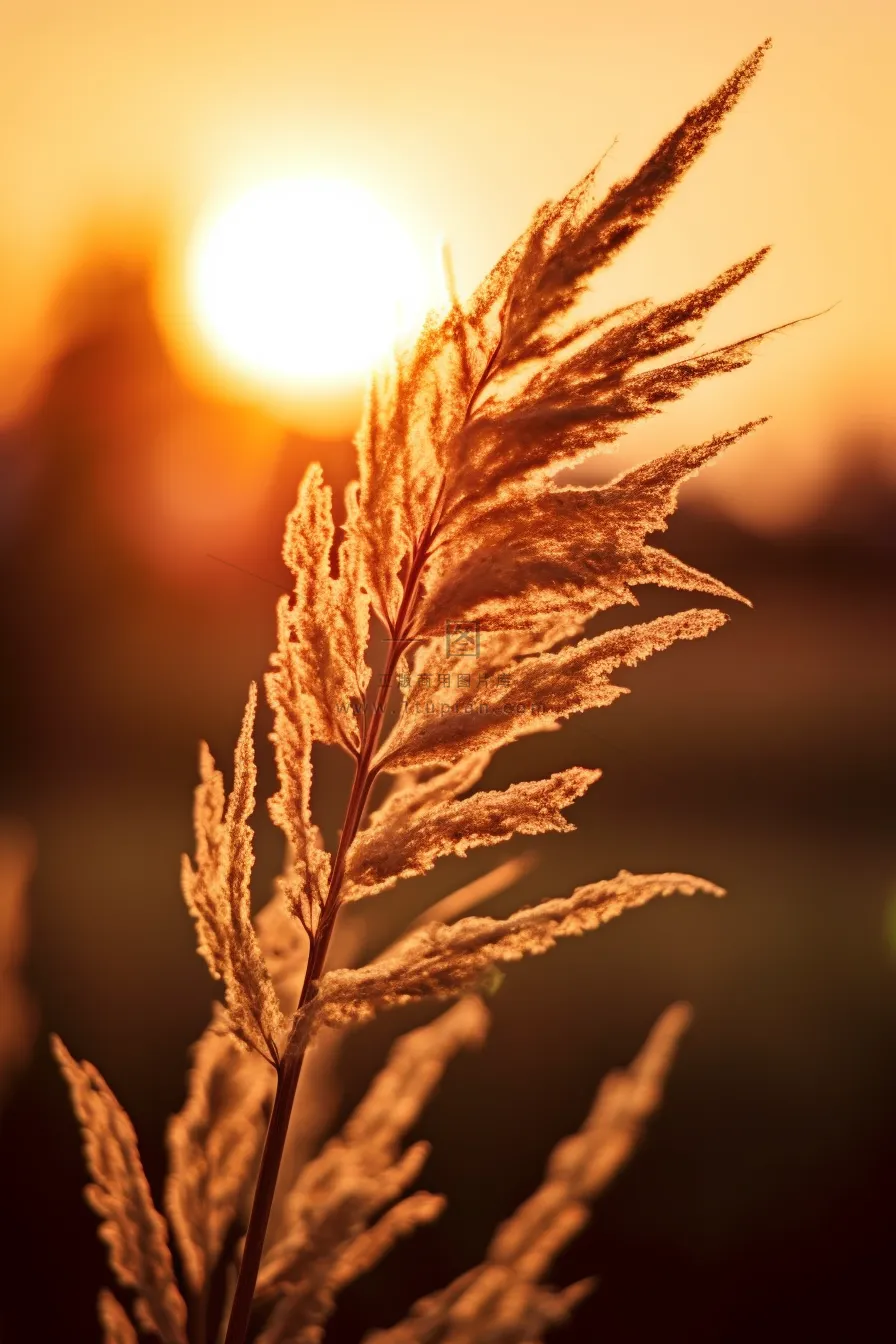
column 302, row 284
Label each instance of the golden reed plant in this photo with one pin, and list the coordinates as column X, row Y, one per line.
column 455, row 532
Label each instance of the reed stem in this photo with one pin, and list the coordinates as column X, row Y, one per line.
column 290, row 1067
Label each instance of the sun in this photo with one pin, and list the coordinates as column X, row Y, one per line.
column 303, row 284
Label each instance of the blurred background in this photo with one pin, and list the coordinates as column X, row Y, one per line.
column 152, row 434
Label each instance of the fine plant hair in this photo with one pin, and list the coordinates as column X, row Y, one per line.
column 457, row 536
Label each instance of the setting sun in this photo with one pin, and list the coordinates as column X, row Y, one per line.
column 303, row 282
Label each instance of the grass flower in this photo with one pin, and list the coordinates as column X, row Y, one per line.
column 457, row 538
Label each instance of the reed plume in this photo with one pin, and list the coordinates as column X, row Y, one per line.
column 482, row 573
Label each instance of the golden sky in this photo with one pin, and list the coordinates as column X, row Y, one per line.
column 461, row 118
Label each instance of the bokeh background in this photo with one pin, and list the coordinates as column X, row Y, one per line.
column 142, row 506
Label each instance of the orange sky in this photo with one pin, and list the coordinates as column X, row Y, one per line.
column 461, row 118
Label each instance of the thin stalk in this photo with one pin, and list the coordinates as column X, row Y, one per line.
column 290, row 1066
column 199, row 1330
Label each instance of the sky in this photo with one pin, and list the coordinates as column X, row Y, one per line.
column 121, row 121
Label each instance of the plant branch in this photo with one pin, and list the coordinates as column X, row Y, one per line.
column 290, row 1066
